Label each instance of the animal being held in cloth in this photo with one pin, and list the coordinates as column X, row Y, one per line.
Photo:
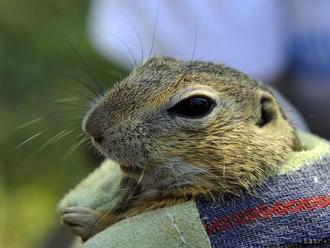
column 198, row 155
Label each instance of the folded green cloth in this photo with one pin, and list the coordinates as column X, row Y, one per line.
column 292, row 209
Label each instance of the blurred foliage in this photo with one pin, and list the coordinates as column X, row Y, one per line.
column 37, row 65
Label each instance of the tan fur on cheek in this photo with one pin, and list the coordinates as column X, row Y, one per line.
column 234, row 158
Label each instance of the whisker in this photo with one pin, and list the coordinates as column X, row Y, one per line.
column 75, row 79
column 124, row 189
column 74, row 147
column 175, row 175
column 126, row 58
column 131, row 195
column 77, row 106
column 64, row 112
column 29, row 123
column 77, row 120
column 135, row 31
column 83, row 64
column 55, row 118
column 154, row 31
column 85, row 67
column 195, row 39
column 116, row 74
column 50, row 141
column 62, row 121
column 130, row 51
column 67, row 99
column 28, row 139
column 62, row 136
column 185, row 72
column 140, row 179
column 84, row 95
column 89, row 98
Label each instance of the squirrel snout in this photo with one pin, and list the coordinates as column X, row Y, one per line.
column 91, row 126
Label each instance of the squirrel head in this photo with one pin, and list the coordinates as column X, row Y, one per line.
column 191, row 127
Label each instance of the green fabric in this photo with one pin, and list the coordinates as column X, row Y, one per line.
column 313, row 149
column 177, row 226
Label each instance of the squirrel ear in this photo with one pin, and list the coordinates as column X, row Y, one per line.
column 268, row 109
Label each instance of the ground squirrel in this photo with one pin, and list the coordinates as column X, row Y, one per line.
column 182, row 130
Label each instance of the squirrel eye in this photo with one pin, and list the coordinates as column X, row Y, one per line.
column 193, row 107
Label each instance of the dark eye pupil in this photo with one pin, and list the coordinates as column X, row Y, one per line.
column 193, row 107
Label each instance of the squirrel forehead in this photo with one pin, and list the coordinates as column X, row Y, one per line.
column 159, row 75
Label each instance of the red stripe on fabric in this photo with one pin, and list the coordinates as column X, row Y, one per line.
column 267, row 211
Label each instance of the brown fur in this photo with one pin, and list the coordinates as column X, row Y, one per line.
column 174, row 159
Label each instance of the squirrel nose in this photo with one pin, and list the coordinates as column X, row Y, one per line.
column 91, row 126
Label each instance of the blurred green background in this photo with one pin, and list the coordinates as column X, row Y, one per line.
column 37, row 65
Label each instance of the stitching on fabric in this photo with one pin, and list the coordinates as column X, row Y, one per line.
column 178, row 230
